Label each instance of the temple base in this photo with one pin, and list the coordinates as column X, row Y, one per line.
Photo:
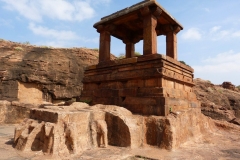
column 146, row 85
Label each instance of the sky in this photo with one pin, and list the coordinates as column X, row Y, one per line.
column 209, row 42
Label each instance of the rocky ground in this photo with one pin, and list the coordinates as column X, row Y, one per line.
column 223, row 144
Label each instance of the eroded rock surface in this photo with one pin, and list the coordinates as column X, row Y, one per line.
column 50, row 74
column 218, row 102
column 14, row 112
column 65, row 130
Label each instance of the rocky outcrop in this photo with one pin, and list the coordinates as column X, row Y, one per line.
column 61, row 130
column 49, row 74
column 229, row 85
column 217, row 101
column 69, row 129
column 14, row 112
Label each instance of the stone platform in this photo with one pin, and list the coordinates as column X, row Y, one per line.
column 149, row 85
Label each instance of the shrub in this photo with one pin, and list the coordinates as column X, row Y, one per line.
column 137, row 54
column 184, row 63
column 27, row 42
column 121, row 56
column 95, row 49
column 19, row 48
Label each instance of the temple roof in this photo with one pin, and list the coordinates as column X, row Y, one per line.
column 129, row 21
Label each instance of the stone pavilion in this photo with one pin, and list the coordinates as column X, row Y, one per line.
column 150, row 84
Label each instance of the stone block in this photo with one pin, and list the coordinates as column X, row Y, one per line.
column 176, row 103
column 135, row 83
column 111, row 85
column 152, row 110
column 150, row 92
column 44, row 115
column 131, row 92
column 103, row 100
column 140, row 101
column 169, row 84
column 187, row 88
column 105, row 93
column 90, row 86
column 192, row 96
column 87, row 93
column 153, row 82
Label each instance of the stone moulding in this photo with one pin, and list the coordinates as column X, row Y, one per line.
column 148, row 85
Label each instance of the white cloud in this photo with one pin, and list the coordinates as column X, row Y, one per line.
column 192, row 34
column 215, row 29
column 26, row 8
column 236, row 34
column 35, row 10
column 217, row 34
column 222, row 63
column 51, row 33
column 223, row 67
column 221, row 35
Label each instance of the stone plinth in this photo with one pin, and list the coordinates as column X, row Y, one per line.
column 147, row 85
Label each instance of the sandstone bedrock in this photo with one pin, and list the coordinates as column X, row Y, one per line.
column 68, row 129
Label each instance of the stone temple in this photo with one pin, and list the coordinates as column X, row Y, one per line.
column 134, row 102
column 150, row 84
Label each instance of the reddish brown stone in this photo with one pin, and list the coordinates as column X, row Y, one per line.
column 135, row 83
column 171, row 41
column 104, row 48
column 144, row 21
column 151, row 84
column 149, row 35
column 105, row 93
column 150, row 92
column 128, row 92
column 130, row 49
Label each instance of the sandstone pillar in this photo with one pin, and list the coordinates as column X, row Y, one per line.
column 149, row 32
column 171, row 42
column 105, row 42
column 130, row 49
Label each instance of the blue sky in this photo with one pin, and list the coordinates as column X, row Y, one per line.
column 209, row 42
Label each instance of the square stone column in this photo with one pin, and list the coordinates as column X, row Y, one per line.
column 171, row 45
column 130, row 49
column 104, row 47
column 149, row 34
